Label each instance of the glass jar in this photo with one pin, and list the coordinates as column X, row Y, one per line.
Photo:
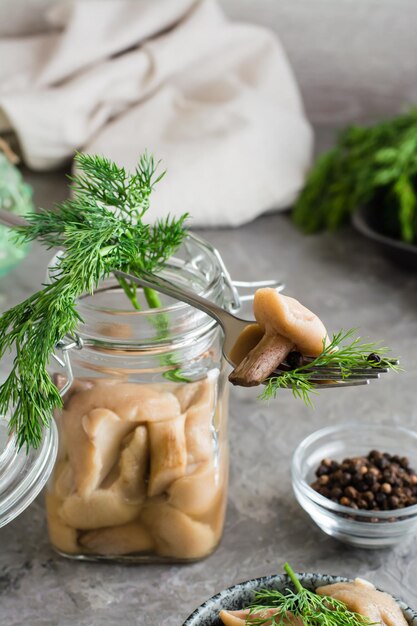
column 142, row 467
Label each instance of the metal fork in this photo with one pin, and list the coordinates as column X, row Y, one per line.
column 232, row 326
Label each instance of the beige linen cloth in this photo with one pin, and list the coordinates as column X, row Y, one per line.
column 216, row 101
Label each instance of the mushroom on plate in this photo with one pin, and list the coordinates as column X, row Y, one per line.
column 240, row 618
column 362, row 597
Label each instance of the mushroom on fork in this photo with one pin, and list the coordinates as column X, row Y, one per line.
column 286, row 325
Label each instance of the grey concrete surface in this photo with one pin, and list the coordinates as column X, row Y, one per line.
column 347, row 283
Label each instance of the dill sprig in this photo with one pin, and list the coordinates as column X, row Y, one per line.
column 312, row 609
column 101, row 228
column 337, row 354
column 374, row 165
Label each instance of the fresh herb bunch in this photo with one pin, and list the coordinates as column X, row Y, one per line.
column 374, row 165
column 312, row 609
column 337, row 354
column 101, row 228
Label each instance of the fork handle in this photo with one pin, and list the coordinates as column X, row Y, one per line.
column 179, row 293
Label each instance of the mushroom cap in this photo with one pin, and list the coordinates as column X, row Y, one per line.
column 240, row 618
column 279, row 314
column 362, row 597
column 234, row 618
column 247, row 340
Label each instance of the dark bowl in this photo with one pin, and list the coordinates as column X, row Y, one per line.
column 241, row 595
column 365, row 220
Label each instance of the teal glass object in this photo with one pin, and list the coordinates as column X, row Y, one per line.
column 16, row 197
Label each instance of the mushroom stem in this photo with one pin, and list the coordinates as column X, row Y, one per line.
column 262, row 360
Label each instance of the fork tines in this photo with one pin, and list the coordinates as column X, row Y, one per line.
column 331, row 376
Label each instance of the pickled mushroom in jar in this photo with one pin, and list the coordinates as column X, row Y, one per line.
column 362, row 597
column 103, row 507
column 93, row 443
column 118, row 540
column 139, row 471
column 62, row 536
column 198, row 421
column 286, row 325
column 168, row 453
column 176, row 534
column 64, row 483
column 195, row 493
column 132, row 467
column 95, row 421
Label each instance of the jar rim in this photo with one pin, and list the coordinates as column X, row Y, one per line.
column 148, row 312
column 173, row 263
column 196, row 265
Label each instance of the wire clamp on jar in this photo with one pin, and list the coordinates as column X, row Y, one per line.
column 64, row 346
column 233, row 287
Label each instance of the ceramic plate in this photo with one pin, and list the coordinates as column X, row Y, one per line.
column 241, row 595
column 365, row 220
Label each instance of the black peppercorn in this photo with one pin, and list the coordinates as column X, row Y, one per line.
column 346, row 478
column 336, row 492
column 393, row 502
column 368, row 495
column 374, row 358
column 378, row 482
column 351, row 492
column 382, row 463
column 369, row 478
column 345, row 501
column 380, row 498
column 374, row 454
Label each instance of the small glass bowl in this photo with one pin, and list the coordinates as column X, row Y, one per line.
column 361, row 528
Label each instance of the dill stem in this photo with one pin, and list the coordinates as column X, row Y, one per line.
column 290, row 572
column 161, row 321
column 162, row 326
column 152, row 298
column 131, row 294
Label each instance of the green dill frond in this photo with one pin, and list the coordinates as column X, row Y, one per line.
column 344, row 352
column 311, row 608
column 374, row 165
column 101, row 228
